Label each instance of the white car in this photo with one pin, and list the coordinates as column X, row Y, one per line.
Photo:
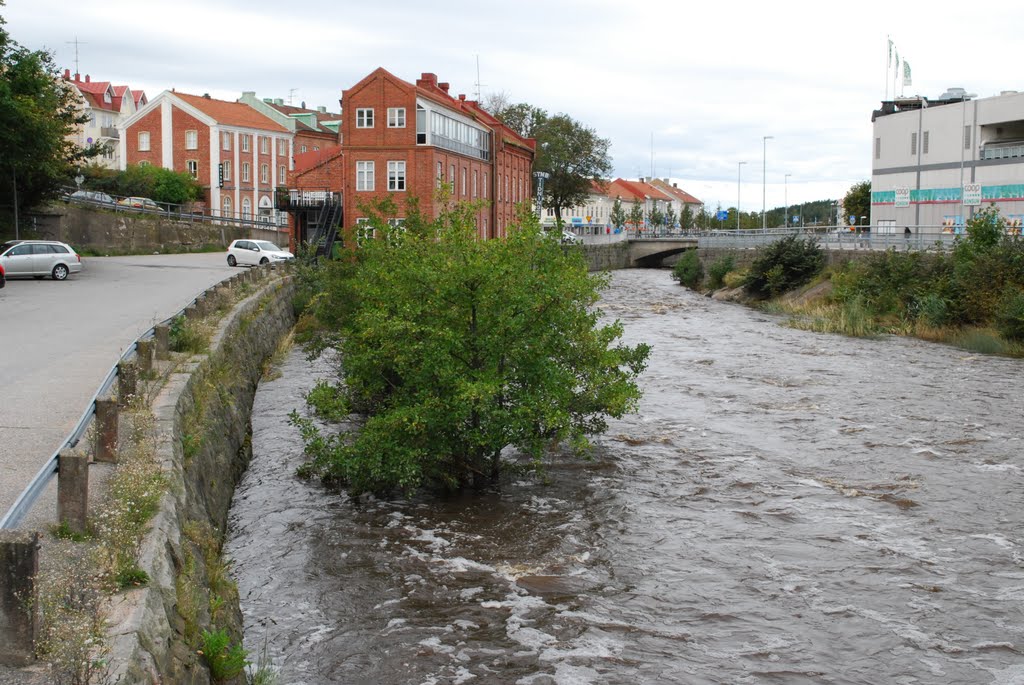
column 39, row 258
column 253, row 252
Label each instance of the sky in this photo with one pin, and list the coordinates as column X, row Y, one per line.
column 685, row 90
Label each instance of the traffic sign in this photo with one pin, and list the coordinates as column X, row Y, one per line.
column 722, row 215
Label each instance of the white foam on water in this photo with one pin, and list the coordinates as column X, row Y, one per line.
column 1011, row 675
column 567, row 674
column 470, row 592
column 998, row 539
column 463, row 624
column 994, row 467
column 461, row 565
column 462, row 675
column 435, row 644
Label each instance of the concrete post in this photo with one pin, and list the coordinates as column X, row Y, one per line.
column 106, row 430
column 127, row 382
column 192, row 312
column 144, row 355
column 19, row 613
column 162, row 338
column 73, row 490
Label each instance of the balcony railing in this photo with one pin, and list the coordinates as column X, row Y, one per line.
column 109, row 132
column 293, row 198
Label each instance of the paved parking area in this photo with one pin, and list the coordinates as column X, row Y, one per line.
column 58, row 340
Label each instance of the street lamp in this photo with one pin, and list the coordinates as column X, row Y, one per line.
column 785, row 198
column 739, row 169
column 963, row 144
column 764, row 183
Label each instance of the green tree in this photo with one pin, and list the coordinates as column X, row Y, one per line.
column 156, row 183
column 670, row 216
column 686, row 218
column 574, row 156
column 524, row 119
column 618, row 214
column 38, row 111
column 636, row 214
column 857, row 201
column 455, row 349
column 657, row 217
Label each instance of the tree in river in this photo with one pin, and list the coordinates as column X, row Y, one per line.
column 453, row 349
column 38, row 111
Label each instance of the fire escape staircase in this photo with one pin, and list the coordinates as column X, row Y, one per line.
column 324, row 227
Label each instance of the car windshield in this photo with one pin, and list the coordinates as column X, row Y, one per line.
column 267, row 246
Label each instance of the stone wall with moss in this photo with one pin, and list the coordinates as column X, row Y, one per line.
column 203, row 437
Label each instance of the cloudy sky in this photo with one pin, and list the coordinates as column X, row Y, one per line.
column 704, row 81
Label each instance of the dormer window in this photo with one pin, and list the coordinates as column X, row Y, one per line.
column 106, row 97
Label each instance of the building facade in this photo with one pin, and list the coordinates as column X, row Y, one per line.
column 236, row 153
column 406, row 140
column 106, row 106
column 935, row 163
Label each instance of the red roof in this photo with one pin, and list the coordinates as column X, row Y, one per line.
column 677, row 192
column 230, row 113
column 643, row 190
column 620, row 189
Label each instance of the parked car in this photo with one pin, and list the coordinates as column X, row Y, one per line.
column 92, row 197
column 3, row 277
column 139, row 203
column 253, row 252
column 39, row 258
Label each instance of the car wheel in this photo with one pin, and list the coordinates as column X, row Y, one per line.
column 232, row 261
column 264, row 261
column 59, row 273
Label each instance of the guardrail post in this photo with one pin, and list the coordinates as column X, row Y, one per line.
column 106, row 430
column 73, row 490
column 144, row 355
column 19, row 613
column 192, row 312
column 162, row 338
column 127, row 382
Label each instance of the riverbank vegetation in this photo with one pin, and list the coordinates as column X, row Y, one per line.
column 971, row 296
column 453, row 349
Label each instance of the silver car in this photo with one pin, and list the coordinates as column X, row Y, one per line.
column 253, row 252
column 39, row 258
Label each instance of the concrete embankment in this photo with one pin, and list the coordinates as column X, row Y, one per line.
column 202, row 416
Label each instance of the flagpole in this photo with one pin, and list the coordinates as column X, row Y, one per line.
column 888, row 65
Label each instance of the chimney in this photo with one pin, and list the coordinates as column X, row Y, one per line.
column 675, row 185
column 641, row 179
column 322, row 109
column 67, row 74
column 426, row 80
column 303, row 104
column 269, row 101
column 444, row 86
column 278, row 101
column 462, row 97
column 249, row 94
column 87, row 78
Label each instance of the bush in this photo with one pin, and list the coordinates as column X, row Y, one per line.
column 226, row 661
column 719, row 269
column 1010, row 316
column 688, row 270
column 785, row 264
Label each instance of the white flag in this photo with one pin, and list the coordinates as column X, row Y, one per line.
column 906, row 73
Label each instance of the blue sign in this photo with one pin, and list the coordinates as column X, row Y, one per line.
column 796, row 218
column 722, row 215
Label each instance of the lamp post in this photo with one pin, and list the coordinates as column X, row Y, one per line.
column 785, row 198
column 963, row 145
column 739, row 169
column 764, row 181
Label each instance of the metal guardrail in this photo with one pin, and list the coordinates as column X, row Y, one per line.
column 25, row 501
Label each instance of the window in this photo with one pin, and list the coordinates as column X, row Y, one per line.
column 421, row 126
column 264, row 145
column 193, row 168
column 246, row 138
column 485, row 184
column 143, row 163
column 967, row 137
column 364, row 176
column 924, row 143
column 878, row 148
column 225, row 140
column 396, row 176
column 913, row 143
column 226, row 166
column 440, row 174
column 302, row 149
column 475, row 175
column 246, row 208
column 364, row 117
column 264, row 173
column 191, row 140
column 280, row 174
column 245, row 172
column 396, row 117
column 282, row 147
column 463, row 181
column 225, row 206
column 143, row 141
column 316, row 148
column 364, row 230
column 451, row 176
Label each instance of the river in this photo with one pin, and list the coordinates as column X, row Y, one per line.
column 786, row 507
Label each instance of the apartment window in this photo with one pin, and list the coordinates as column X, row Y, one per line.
column 924, row 143
column 302, row 149
column 364, row 117
column 143, row 163
column 191, row 140
column 421, row 125
column 451, row 176
column 476, row 174
column 282, row 147
column 280, row 174
column 463, row 181
column 396, row 176
column 193, row 168
column 246, row 138
column 913, row 143
column 485, row 184
column 967, row 137
column 264, row 145
column 396, row 117
column 364, row 176
column 245, row 172
column 226, row 166
column 264, row 173
column 143, row 141
column 225, row 140
column 225, row 206
column 878, row 148
column 440, row 174
column 246, row 208
column 364, row 230
column 316, row 148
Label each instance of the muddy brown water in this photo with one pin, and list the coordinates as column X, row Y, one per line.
column 786, row 507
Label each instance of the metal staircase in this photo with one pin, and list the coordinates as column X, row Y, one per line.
column 325, row 227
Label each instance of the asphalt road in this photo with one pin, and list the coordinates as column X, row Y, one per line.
column 58, row 340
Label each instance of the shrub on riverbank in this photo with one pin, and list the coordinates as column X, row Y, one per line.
column 784, row 265
column 688, row 270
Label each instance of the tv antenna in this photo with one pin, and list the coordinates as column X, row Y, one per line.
column 291, row 94
column 76, row 43
column 478, row 84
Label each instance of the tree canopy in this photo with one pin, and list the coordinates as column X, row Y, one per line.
column 857, row 201
column 38, row 111
column 454, row 349
column 156, row 183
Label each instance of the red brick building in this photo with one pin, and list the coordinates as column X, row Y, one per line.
column 406, row 140
column 236, row 153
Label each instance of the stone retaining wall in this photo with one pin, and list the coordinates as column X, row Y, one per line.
column 202, row 416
